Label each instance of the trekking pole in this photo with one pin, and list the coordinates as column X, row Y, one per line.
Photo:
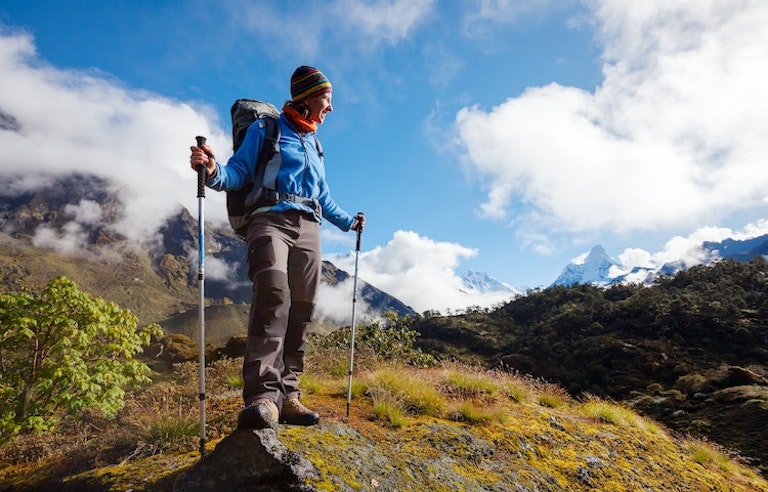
column 352, row 335
column 201, row 280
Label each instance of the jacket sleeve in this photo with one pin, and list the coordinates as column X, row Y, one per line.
column 241, row 167
column 332, row 212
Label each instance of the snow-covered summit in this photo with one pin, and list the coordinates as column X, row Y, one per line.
column 593, row 269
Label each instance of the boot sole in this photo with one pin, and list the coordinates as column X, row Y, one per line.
column 255, row 418
column 305, row 420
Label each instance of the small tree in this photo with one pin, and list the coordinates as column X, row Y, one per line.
column 64, row 350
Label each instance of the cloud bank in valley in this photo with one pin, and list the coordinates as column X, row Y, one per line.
column 73, row 121
column 683, row 250
column 420, row 272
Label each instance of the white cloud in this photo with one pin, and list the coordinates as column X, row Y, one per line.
column 634, row 257
column 217, row 269
column 686, row 249
column 418, row 271
column 75, row 121
column 488, row 12
column 386, row 21
column 335, row 304
column 331, row 234
column 675, row 135
column 71, row 240
column 579, row 260
column 86, row 212
column 358, row 25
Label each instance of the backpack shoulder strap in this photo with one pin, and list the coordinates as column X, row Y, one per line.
column 319, row 146
column 269, row 158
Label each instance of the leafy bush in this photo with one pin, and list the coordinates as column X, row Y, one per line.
column 63, row 351
column 389, row 340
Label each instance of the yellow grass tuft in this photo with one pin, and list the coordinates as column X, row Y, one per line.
column 417, row 397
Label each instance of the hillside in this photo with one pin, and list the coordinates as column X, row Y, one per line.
column 440, row 429
column 690, row 351
column 413, row 425
column 67, row 226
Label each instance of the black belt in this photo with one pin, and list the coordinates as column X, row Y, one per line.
column 272, row 197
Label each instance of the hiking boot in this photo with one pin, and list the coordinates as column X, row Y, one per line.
column 295, row 413
column 261, row 414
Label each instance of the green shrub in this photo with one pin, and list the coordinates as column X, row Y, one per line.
column 388, row 340
column 62, row 351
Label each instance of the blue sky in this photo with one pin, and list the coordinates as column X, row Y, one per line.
column 507, row 137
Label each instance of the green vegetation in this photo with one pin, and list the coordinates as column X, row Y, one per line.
column 446, row 427
column 613, row 413
column 415, row 397
column 689, row 350
column 421, row 422
column 388, row 409
column 707, row 454
column 164, row 431
column 389, row 339
column 62, row 351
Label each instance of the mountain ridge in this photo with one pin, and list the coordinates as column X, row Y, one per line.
column 599, row 269
column 66, row 226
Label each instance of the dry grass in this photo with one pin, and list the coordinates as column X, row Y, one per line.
column 400, row 385
column 162, row 418
column 550, row 395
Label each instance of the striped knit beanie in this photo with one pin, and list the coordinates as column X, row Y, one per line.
column 307, row 82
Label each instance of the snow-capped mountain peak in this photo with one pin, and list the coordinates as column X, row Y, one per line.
column 595, row 269
column 598, row 269
column 484, row 283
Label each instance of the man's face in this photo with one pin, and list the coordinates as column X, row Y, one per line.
column 319, row 106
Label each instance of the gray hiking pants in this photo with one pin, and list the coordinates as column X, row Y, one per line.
column 284, row 263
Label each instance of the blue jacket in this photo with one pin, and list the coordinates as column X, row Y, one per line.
column 301, row 172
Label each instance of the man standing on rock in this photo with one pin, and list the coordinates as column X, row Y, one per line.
column 284, row 256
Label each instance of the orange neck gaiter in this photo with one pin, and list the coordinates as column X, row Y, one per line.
column 299, row 121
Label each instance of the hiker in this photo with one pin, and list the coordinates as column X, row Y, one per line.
column 284, row 257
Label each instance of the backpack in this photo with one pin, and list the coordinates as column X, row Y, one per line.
column 245, row 112
column 241, row 203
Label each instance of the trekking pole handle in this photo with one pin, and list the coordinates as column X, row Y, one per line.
column 201, row 171
column 359, row 233
column 357, row 246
